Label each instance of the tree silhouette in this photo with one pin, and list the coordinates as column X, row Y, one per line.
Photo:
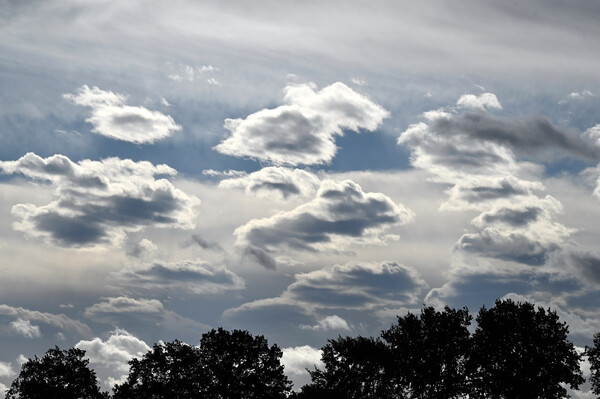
column 430, row 352
column 225, row 365
column 354, row 368
column 172, row 370
column 59, row 374
column 520, row 352
column 593, row 354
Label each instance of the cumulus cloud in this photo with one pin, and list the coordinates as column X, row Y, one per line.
column 56, row 320
column 25, row 328
column 6, row 370
column 334, row 322
column 352, row 286
column 112, row 117
column 98, row 202
column 277, row 182
column 575, row 96
column 122, row 310
column 340, row 215
column 524, row 231
column 190, row 276
column 303, row 130
column 297, row 359
column 114, row 352
column 477, row 155
column 480, row 102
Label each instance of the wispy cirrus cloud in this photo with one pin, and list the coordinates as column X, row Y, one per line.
column 113, row 118
column 98, row 202
column 303, row 130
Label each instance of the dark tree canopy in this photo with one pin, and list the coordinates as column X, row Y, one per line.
column 226, row 365
column 593, row 354
column 172, row 370
column 430, row 352
column 59, row 374
column 354, row 368
column 522, row 352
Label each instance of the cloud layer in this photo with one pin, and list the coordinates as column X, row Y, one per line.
column 98, row 202
column 303, row 130
column 113, row 118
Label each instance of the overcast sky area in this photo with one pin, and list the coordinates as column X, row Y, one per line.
column 301, row 170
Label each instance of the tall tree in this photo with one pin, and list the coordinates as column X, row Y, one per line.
column 225, row 365
column 522, row 352
column 430, row 352
column 593, row 354
column 355, row 368
column 59, row 374
column 242, row 366
column 172, row 370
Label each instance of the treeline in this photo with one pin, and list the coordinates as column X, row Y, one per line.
column 516, row 351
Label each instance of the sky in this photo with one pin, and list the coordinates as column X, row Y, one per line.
column 300, row 170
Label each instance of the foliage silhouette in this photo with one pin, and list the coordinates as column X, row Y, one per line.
column 59, row 374
column 593, row 354
column 225, row 365
column 354, row 368
column 430, row 352
column 520, row 352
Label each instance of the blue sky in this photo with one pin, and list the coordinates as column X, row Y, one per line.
column 299, row 170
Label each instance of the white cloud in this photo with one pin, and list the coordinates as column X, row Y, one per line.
column 577, row 96
column 481, row 102
column 297, row 359
column 117, row 305
column 114, row 352
column 98, row 202
column 164, row 102
column 213, row 82
column 112, row 117
column 25, row 328
column 21, row 359
column 303, row 130
column 339, row 216
column 334, row 322
column 6, row 370
column 207, row 68
column 227, row 173
column 276, row 182
column 57, row 320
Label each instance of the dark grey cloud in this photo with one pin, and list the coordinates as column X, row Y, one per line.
column 340, row 214
column 194, row 277
column 512, row 217
column 514, row 247
column 353, row 286
column 99, row 201
column 206, row 244
column 529, row 136
column 277, row 182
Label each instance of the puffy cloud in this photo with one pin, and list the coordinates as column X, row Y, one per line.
column 192, row 277
column 477, row 156
column 276, row 182
column 481, row 102
column 56, row 320
column 303, row 130
column 353, row 286
column 340, row 215
column 521, row 231
column 114, row 352
column 138, row 312
column 99, row 201
column 6, row 370
column 297, row 359
column 334, row 322
column 577, row 96
column 25, row 328
column 112, row 117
